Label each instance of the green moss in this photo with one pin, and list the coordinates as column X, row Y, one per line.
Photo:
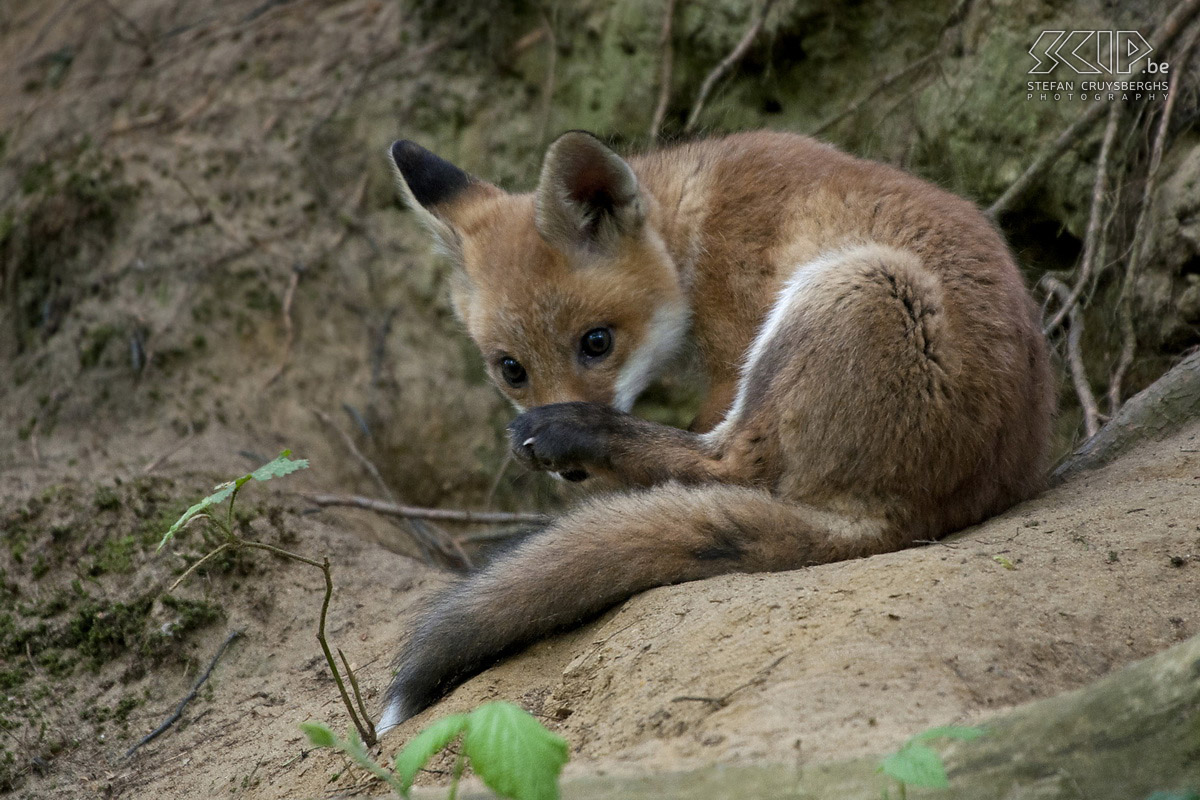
column 106, row 498
column 115, row 555
column 102, row 630
column 193, row 614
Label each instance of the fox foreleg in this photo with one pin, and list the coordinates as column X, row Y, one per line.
column 582, row 440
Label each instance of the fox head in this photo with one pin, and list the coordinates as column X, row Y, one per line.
column 569, row 292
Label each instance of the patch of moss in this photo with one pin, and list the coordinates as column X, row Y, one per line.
column 115, row 555
column 106, row 498
column 193, row 614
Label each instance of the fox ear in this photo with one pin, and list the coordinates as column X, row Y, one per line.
column 428, row 184
column 587, row 197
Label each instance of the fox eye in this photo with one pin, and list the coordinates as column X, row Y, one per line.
column 514, row 374
column 596, row 343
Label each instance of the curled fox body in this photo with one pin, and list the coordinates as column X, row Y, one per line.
column 875, row 372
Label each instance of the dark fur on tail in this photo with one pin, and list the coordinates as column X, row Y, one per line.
column 601, row 554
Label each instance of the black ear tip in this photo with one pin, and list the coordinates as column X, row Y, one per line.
column 403, row 151
column 431, row 179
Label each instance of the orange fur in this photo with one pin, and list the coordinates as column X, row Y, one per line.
column 876, row 372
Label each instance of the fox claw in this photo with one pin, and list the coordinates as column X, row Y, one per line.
column 563, row 438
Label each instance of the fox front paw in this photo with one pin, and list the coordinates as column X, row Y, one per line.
column 571, row 439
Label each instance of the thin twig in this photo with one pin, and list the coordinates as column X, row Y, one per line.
column 366, row 728
column 33, row 441
column 363, row 461
column 439, row 514
column 723, row 700
column 548, row 20
column 1045, row 159
column 362, row 709
column 665, row 68
column 509, row 459
column 1091, row 238
column 218, row 550
column 288, row 330
column 1083, row 389
column 727, row 63
column 162, row 459
column 853, row 108
column 1141, row 229
column 171, row 720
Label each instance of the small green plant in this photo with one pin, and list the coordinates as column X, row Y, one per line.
column 510, row 751
column 224, row 523
column 918, row 764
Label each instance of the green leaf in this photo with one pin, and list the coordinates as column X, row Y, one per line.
column 283, row 465
column 421, row 748
column 513, row 754
column 917, row 765
column 279, row 467
column 318, row 734
column 956, row 732
column 221, row 493
column 1188, row 795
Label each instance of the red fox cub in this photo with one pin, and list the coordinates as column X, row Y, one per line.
column 876, row 375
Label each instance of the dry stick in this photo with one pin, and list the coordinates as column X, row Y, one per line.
column 1133, row 265
column 365, row 462
column 1087, row 400
column 1163, row 35
column 33, row 445
column 438, row 514
column 1062, row 144
column 728, row 63
column 426, row 535
column 171, row 720
column 1091, row 239
column 162, row 459
column 288, row 329
column 665, row 68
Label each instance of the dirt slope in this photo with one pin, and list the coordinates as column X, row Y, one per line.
column 199, row 246
column 818, row 664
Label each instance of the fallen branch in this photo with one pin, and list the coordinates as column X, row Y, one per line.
column 426, row 535
column 1163, row 407
column 666, row 67
column 175, row 715
column 1127, row 735
column 437, row 514
column 1141, row 231
column 1083, row 389
column 727, row 63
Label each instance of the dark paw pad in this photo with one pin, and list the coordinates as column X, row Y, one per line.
column 571, row 439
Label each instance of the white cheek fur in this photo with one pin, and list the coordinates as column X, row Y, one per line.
column 664, row 337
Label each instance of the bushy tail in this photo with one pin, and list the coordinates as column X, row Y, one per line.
column 600, row 554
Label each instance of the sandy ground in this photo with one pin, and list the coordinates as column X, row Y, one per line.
column 216, row 254
column 818, row 664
